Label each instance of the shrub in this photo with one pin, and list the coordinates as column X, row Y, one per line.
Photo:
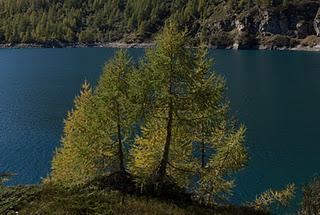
column 221, row 40
column 246, row 40
column 279, row 41
column 311, row 41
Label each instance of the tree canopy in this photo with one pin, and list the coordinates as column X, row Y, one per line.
column 165, row 120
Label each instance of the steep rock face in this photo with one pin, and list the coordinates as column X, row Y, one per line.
column 316, row 23
column 294, row 20
column 303, row 29
column 273, row 22
column 248, row 28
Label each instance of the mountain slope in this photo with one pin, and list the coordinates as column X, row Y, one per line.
column 223, row 23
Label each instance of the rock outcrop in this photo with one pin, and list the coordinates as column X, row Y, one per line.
column 316, row 23
column 248, row 28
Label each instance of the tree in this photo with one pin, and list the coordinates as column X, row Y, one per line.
column 311, row 198
column 115, row 107
column 218, row 141
column 167, row 69
column 188, row 109
column 72, row 163
column 98, row 131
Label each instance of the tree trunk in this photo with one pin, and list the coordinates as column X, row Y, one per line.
column 120, row 147
column 203, row 151
column 165, row 157
column 203, row 146
column 161, row 172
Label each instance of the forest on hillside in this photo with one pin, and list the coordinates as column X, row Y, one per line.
column 128, row 21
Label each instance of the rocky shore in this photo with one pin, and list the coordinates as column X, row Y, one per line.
column 75, row 45
column 293, row 27
column 121, row 45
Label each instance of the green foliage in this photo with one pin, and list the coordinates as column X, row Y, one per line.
column 168, row 116
column 179, row 103
column 85, row 21
column 188, row 131
column 116, row 110
column 311, row 198
column 279, row 41
column 270, row 197
column 74, row 162
column 95, row 21
column 230, row 156
column 163, row 67
column 98, row 131
column 13, row 199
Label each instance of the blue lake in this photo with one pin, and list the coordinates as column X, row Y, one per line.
column 275, row 94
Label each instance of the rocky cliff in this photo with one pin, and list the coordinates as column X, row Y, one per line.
column 288, row 26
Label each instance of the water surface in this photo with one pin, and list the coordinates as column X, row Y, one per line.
column 275, row 94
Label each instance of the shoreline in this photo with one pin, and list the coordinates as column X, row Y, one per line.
column 147, row 45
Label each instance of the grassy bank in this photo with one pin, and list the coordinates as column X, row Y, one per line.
column 46, row 199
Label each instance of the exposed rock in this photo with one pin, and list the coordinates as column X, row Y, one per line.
column 316, row 23
column 293, row 20
column 303, row 29
column 239, row 26
column 273, row 23
column 224, row 25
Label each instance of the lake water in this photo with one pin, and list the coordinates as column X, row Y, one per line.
column 275, row 94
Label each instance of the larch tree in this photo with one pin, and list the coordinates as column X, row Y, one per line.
column 71, row 164
column 116, row 109
column 164, row 146
column 99, row 129
column 218, row 141
column 190, row 138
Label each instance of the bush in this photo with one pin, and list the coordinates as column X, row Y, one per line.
column 13, row 199
column 221, row 40
column 311, row 41
column 246, row 40
column 279, row 41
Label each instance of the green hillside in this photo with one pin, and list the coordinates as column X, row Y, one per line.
column 92, row 200
column 224, row 22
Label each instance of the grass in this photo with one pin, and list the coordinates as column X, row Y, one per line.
column 52, row 200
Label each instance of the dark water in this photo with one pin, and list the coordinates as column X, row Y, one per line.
column 276, row 94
